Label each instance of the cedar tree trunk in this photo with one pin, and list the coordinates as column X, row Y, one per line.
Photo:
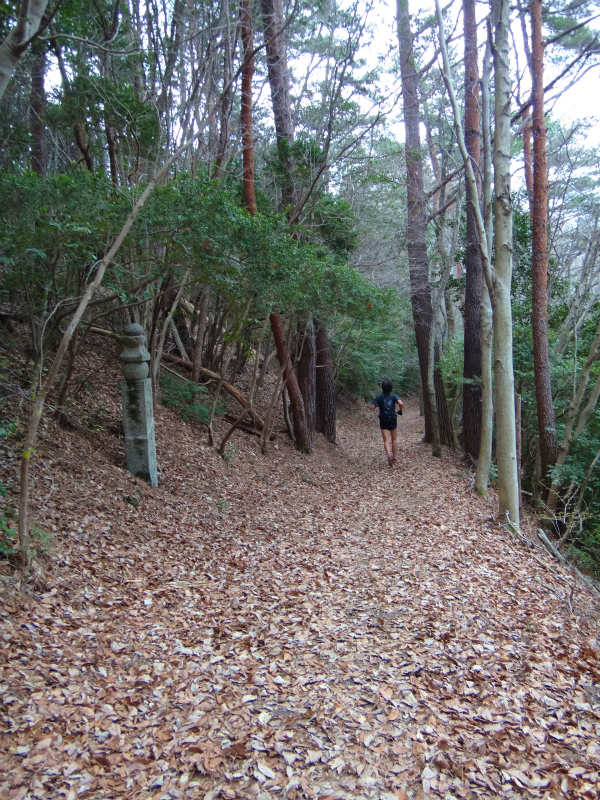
column 325, row 418
column 539, row 272
column 474, row 268
column 416, row 224
column 279, row 81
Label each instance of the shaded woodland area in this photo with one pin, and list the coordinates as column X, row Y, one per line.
column 294, row 201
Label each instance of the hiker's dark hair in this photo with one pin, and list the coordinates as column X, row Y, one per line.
column 387, row 385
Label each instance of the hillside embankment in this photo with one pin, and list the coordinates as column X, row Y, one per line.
column 287, row 626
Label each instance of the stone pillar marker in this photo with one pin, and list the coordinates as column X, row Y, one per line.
column 138, row 411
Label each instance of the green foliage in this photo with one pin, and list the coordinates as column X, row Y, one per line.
column 368, row 353
column 586, row 551
column 40, row 541
column 9, row 541
column 451, row 366
column 186, row 399
column 7, row 428
column 230, row 454
column 52, row 231
column 336, row 224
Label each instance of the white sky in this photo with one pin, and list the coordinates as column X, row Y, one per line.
column 580, row 102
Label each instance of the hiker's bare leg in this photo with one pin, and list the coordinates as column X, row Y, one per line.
column 394, row 444
column 386, row 442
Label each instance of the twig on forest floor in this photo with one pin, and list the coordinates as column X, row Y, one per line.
column 549, row 549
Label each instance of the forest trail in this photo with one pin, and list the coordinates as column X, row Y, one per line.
column 292, row 627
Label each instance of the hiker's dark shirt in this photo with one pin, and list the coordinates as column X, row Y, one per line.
column 386, row 403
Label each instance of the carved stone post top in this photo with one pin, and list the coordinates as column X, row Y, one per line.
column 135, row 355
column 135, row 349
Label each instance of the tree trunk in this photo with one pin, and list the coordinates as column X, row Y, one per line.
column 83, row 143
column 539, row 270
column 416, row 225
column 325, row 395
column 111, row 143
column 506, row 435
column 443, row 414
column 279, row 81
column 37, row 108
column 498, row 281
column 484, row 458
column 474, row 268
column 450, row 315
column 200, row 333
column 246, row 112
column 527, row 159
column 301, row 432
column 436, row 449
column 306, row 369
column 225, row 111
column 15, row 45
column 518, row 423
column 286, row 413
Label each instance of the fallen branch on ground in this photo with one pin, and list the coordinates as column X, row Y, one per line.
column 215, row 376
column 246, row 428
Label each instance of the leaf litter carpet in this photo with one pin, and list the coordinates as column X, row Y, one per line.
column 291, row 627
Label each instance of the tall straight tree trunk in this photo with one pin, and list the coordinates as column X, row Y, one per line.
column 301, row 432
column 436, row 448
column 506, row 435
column 307, row 376
column 539, row 272
column 200, row 333
column 246, row 112
column 443, row 414
column 111, row 143
column 474, row 269
column 325, row 411
column 484, row 459
column 527, row 158
column 279, row 81
column 37, row 108
column 498, row 281
column 416, row 225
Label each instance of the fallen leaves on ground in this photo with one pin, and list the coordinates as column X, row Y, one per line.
column 291, row 626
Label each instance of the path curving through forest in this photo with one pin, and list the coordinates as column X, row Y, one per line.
column 293, row 627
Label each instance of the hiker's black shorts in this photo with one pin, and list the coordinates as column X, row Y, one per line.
column 386, row 425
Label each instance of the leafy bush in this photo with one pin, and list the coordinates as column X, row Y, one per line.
column 586, row 551
column 9, row 539
column 186, row 399
column 9, row 542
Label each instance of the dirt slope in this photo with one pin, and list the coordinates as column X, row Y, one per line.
column 292, row 626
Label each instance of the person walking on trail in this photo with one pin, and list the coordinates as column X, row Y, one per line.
column 386, row 403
